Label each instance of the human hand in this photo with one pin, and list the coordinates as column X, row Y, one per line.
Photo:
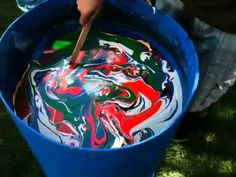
column 89, row 10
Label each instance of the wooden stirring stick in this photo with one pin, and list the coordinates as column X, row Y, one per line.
column 80, row 43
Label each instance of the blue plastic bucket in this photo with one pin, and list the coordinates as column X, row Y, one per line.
column 27, row 37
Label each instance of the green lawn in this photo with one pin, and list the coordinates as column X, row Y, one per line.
column 211, row 152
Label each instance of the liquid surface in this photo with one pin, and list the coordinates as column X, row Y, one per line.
column 120, row 92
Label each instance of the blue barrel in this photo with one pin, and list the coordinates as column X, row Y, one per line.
column 27, row 37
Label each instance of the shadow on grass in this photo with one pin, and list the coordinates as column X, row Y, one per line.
column 16, row 159
column 211, row 152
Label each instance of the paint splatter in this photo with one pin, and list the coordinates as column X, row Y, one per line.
column 120, row 92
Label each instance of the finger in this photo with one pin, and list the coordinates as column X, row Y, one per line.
column 85, row 17
column 97, row 12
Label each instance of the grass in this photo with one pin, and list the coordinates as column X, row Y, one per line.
column 211, row 152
